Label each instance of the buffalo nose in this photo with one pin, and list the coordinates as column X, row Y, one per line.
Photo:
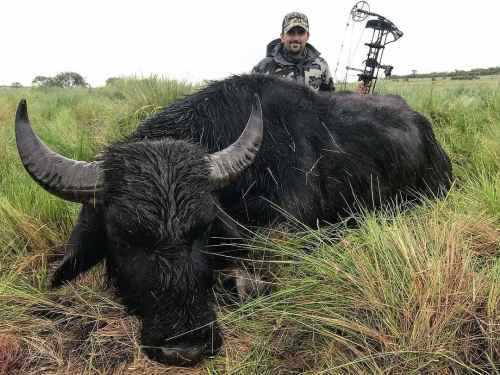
column 186, row 353
column 183, row 355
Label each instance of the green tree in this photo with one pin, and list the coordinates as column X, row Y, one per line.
column 42, row 81
column 112, row 80
column 68, row 79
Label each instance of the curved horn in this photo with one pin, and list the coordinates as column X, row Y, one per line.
column 227, row 164
column 72, row 180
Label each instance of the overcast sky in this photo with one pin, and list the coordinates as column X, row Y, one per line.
column 197, row 40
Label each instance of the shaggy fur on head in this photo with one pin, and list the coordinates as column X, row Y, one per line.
column 159, row 206
column 320, row 159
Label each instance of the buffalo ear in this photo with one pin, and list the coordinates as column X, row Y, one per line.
column 86, row 246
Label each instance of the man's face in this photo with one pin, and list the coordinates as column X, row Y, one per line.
column 295, row 40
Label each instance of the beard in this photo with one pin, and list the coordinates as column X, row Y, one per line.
column 295, row 49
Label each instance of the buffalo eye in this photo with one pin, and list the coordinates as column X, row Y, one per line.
column 198, row 234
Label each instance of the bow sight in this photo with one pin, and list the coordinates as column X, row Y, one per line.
column 384, row 32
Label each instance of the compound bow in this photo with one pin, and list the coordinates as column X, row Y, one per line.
column 382, row 29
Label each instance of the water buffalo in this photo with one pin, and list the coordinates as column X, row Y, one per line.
column 153, row 201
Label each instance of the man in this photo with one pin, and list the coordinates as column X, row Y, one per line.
column 291, row 57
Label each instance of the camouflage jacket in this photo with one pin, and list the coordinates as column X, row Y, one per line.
column 311, row 70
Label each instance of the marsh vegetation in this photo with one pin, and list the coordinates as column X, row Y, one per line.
column 405, row 292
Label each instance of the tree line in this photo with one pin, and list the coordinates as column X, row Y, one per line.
column 457, row 74
column 73, row 79
column 64, row 79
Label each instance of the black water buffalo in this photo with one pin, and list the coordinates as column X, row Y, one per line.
column 154, row 200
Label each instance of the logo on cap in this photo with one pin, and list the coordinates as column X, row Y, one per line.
column 295, row 19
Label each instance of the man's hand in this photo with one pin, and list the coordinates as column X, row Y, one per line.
column 362, row 88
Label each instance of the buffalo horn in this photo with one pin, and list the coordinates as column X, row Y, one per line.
column 72, row 180
column 227, row 164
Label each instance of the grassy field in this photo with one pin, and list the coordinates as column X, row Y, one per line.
column 414, row 292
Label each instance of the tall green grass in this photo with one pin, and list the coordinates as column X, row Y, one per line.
column 413, row 292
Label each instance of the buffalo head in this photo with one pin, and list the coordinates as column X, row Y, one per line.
column 149, row 209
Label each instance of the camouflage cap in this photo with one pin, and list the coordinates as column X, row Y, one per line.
column 295, row 19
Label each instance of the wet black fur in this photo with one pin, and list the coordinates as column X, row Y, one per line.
column 318, row 157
